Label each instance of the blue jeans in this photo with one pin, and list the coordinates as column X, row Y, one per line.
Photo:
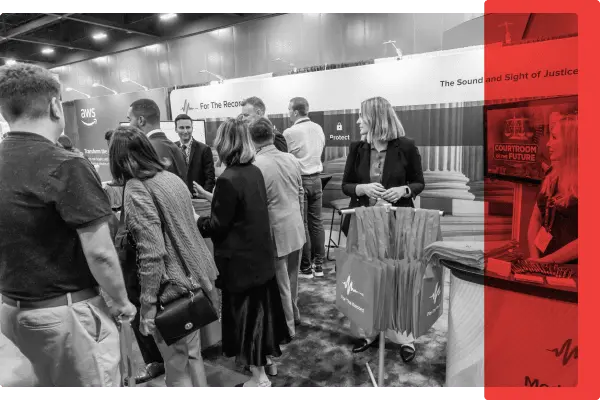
column 314, row 248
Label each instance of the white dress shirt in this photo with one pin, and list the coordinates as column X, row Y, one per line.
column 306, row 140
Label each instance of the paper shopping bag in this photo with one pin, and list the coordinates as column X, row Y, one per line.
column 127, row 363
column 431, row 299
column 355, row 291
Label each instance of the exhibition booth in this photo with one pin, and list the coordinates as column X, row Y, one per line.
column 481, row 124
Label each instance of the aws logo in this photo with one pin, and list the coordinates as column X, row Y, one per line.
column 88, row 116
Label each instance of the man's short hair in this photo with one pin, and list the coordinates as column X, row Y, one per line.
column 261, row 130
column 255, row 102
column 148, row 109
column 300, row 104
column 182, row 117
column 26, row 91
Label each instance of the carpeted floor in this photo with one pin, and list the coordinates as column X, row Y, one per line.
column 321, row 355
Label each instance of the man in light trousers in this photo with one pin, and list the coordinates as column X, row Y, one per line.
column 285, row 195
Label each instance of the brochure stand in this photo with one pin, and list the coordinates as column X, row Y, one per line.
column 380, row 382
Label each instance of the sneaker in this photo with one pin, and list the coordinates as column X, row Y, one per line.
column 307, row 273
column 318, row 271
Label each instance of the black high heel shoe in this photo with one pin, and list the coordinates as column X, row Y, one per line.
column 407, row 352
column 363, row 345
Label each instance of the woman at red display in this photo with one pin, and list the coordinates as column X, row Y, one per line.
column 553, row 227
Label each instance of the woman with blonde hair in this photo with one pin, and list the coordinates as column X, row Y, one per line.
column 253, row 320
column 553, row 228
column 384, row 167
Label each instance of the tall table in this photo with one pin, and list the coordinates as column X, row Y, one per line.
column 538, row 324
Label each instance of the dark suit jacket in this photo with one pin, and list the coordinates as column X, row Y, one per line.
column 240, row 229
column 402, row 166
column 201, row 167
column 167, row 149
column 280, row 142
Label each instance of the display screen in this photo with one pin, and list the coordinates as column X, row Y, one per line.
column 516, row 136
column 168, row 127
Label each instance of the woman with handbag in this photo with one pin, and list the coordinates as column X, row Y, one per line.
column 383, row 168
column 253, row 320
column 174, row 265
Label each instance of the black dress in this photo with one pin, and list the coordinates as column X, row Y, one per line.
column 563, row 222
column 253, row 321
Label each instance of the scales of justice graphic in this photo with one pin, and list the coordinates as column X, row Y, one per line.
column 517, row 128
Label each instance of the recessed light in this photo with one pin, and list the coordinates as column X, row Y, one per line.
column 168, row 16
column 99, row 36
column 47, row 50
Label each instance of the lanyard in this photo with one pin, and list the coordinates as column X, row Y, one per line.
column 550, row 211
column 549, row 214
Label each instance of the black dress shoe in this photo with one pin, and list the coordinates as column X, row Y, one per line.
column 150, row 371
column 407, row 353
column 363, row 345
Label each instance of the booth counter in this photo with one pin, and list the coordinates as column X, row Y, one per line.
column 526, row 332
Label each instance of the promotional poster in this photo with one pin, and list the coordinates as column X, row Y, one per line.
column 97, row 115
column 517, row 134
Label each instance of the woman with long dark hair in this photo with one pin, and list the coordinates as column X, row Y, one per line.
column 253, row 320
column 172, row 256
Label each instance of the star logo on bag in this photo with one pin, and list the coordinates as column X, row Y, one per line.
column 349, row 287
column 436, row 292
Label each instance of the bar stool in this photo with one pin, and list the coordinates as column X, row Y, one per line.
column 337, row 206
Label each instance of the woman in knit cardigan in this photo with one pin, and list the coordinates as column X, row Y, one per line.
column 253, row 320
column 159, row 214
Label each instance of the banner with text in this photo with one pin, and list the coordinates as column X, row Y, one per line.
column 452, row 76
column 97, row 115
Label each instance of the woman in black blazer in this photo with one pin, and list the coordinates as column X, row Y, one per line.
column 253, row 321
column 384, row 167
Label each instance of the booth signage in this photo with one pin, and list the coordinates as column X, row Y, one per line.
column 433, row 78
column 97, row 115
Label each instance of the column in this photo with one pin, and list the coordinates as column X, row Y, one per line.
column 442, row 170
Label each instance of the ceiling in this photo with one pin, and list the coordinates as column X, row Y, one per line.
column 69, row 38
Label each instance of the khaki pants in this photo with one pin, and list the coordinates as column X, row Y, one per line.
column 183, row 361
column 73, row 345
column 286, row 272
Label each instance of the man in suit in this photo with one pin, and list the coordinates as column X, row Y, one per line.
column 198, row 156
column 144, row 114
column 254, row 106
column 285, row 195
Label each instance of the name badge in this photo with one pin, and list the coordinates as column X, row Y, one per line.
column 542, row 239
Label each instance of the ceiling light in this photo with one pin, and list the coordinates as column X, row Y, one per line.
column 99, row 36
column 168, row 16
column 10, row 61
column 47, row 50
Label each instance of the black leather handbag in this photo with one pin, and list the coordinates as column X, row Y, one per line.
column 187, row 314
